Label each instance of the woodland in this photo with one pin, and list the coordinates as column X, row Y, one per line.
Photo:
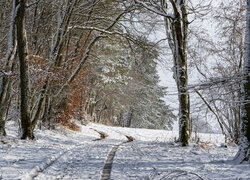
column 97, row 61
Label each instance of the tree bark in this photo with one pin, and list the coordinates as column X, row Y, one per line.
column 39, row 108
column 243, row 154
column 177, row 34
column 130, row 116
column 24, row 77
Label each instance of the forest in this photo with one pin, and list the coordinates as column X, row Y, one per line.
column 97, row 61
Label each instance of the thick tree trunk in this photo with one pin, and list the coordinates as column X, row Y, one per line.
column 243, row 154
column 24, row 77
column 177, row 34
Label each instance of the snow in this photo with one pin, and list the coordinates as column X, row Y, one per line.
column 64, row 154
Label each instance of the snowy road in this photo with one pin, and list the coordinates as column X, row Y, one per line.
column 152, row 156
column 83, row 162
column 89, row 160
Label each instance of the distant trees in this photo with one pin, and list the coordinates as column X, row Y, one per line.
column 243, row 154
column 148, row 109
column 77, row 59
column 108, row 93
column 219, row 60
column 8, row 64
column 124, row 86
column 229, row 51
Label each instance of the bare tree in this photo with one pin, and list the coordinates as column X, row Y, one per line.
column 176, row 25
column 221, row 78
column 243, row 154
column 24, row 77
column 62, row 36
column 6, row 79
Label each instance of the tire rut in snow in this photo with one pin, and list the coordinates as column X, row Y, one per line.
column 109, row 161
column 51, row 160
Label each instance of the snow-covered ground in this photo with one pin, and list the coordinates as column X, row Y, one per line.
column 64, row 154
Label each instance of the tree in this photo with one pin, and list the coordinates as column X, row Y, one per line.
column 24, row 77
column 9, row 65
column 243, row 154
column 107, row 81
column 230, row 17
column 62, row 45
column 123, row 85
column 176, row 25
column 147, row 109
column 218, row 60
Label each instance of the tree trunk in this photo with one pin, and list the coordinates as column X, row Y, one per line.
column 211, row 109
column 177, row 34
column 39, row 107
column 243, row 154
column 24, row 77
column 45, row 115
column 65, row 12
column 64, row 16
column 130, row 116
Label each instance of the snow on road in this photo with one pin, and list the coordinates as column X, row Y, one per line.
column 157, row 160
column 63, row 154
column 84, row 162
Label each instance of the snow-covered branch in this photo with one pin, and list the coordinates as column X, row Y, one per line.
column 104, row 31
column 4, row 73
column 217, row 81
column 154, row 10
column 88, row 49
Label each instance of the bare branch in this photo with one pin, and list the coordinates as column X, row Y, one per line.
column 211, row 109
column 125, row 35
column 31, row 4
column 88, row 49
column 170, row 16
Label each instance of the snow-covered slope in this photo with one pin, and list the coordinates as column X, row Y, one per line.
column 63, row 154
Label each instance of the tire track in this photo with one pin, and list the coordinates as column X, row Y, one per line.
column 109, row 161
column 52, row 159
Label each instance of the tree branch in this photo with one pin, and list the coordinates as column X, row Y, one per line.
column 170, row 16
column 211, row 109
